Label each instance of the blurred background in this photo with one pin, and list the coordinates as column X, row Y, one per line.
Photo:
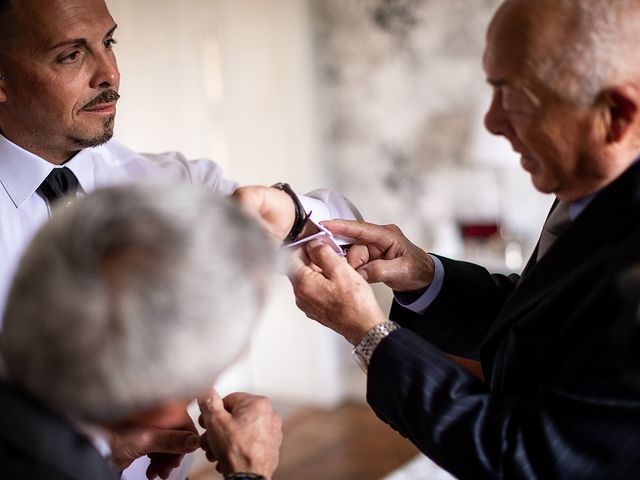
column 381, row 100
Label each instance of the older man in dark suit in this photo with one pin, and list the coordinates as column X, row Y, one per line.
column 554, row 398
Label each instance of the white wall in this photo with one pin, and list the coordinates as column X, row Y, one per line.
column 164, row 97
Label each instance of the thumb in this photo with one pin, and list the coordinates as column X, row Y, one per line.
column 211, row 407
column 381, row 271
column 324, row 257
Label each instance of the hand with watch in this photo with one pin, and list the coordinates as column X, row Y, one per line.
column 243, row 434
column 278, row 209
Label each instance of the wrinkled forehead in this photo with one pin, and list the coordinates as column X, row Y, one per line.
column 45, row 22
column 519, row 33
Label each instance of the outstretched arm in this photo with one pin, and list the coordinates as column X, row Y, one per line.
column 276, row 208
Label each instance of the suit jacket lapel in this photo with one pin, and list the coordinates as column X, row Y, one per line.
column 50, row 440
column 604, row 222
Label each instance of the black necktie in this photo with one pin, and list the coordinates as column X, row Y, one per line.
column 60, row 182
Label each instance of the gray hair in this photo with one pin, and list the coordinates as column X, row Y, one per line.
column 134, row 296
column 594, row 45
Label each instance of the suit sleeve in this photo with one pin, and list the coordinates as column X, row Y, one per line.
column 459, row 318
column 583, row 425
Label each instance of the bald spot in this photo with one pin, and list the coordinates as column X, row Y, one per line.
column 525, row 30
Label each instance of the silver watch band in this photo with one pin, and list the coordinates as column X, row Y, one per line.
column 364, row 350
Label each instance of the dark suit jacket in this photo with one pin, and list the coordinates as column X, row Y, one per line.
column 35, row 444
column 558, row 399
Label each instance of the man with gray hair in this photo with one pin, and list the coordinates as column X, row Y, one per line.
column 126, row 306
column 545, row 393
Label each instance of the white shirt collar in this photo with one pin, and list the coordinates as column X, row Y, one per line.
column 22, row 172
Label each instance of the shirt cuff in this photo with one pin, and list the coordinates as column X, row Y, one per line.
column 423, row 302
column 326, row 204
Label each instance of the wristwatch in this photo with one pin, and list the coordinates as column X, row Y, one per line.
column 244, row 476
column 363, row 352
column 301, row 214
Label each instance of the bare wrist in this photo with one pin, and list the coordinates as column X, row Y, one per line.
column 359, row 331
column 257, row 464
column 427, row 272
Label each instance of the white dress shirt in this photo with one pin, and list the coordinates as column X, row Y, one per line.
column 23, row 211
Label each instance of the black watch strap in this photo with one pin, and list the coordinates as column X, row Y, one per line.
column 244, row 476
column 301, row 214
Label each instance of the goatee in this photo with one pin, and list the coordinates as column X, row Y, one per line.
column 101, row 138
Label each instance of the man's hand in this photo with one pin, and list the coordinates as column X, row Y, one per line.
column 273, row 208
column 330, row 291
column 382, row 253
column 165, row 448
column 243, row 433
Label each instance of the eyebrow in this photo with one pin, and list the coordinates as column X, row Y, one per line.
column 80, row 41
column 526, row 91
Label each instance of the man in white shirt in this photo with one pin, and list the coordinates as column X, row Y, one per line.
column 58, row 93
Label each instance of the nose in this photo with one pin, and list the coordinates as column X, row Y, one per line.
column 106, row 73
column 496, row 119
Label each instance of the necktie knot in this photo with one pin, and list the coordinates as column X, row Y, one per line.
column 60, row 182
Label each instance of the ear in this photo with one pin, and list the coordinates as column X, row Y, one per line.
column 621, row 105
